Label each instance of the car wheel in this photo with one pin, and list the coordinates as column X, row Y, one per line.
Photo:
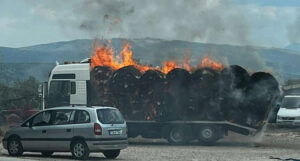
column 47, row 153
column 14, row 147
column 80, row 150
column 111, row 154
column 208, row 135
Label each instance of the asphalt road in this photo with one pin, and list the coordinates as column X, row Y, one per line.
column 234, row 148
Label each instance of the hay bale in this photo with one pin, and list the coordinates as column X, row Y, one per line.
column 176, row 97
column 240, row 77
column 124, row 85
column 204, row 94
column 261, row 95
column 101, row 94
column 152, row 84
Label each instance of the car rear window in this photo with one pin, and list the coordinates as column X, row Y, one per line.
column 110, row 116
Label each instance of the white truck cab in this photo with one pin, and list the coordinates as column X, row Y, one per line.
column 68, row 85
column 289, row 112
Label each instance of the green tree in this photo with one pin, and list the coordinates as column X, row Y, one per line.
column 22, row 94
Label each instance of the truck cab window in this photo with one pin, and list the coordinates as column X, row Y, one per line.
column 59, row 93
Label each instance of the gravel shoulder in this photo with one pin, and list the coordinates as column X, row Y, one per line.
column 274, row 143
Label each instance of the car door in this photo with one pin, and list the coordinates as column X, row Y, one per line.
column 61, row 131
column 83, row 125
column 34, row 137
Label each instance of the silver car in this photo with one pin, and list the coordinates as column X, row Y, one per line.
column 80, row 130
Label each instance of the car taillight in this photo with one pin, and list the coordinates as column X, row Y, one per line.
column 97, row 129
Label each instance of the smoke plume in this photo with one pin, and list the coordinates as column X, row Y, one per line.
column 294, row 32
column 206, row 20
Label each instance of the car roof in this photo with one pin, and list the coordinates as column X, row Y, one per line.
column 80, row 108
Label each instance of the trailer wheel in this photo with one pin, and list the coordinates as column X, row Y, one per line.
column 208, row 135
column 178, row 134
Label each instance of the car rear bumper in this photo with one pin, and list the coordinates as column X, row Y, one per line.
column 107, row 145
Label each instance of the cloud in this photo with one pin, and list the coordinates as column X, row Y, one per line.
column 210, row 21
column 44, row 11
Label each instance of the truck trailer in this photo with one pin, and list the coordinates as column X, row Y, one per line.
column 72, row 85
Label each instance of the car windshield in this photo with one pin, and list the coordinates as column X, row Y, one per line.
column 110, row 116
column 291, row 102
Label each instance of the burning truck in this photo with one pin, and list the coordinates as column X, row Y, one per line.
column 178, row 102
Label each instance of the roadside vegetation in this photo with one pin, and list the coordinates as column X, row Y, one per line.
column 19, row 94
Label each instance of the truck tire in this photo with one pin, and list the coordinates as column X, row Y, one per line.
column 208, row 135
column 178, row 134
column 111, row 154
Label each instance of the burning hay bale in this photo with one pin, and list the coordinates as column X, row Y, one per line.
column 233, row 81
column 171, row 92
column 260, row 96
column 240, row 77
column 124, row 87
column 176, row 98
column 124, row 80
column 100, row 77
column 151, row 86
column 204, row 94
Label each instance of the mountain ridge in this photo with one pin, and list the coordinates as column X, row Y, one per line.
column 280, row 61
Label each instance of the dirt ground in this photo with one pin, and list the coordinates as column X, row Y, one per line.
column 275, row 144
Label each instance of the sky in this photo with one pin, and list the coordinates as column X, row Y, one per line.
column 268, row 23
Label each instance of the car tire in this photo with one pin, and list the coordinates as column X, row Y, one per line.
column 111, row 154
column 14, row 147
column 208, row 135
column 47, row 153
column 80, row 150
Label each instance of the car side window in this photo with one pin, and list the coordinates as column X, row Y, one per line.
column 61, row 117
column 82, row 116
column 42, row 119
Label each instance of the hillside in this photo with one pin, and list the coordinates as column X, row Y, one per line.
column 284, row 63
column 294, row 47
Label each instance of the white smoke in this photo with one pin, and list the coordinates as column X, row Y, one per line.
column 208, row 21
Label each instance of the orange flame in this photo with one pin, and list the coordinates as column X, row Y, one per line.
column 168, row 66
column 206, row 62
column 104, row 55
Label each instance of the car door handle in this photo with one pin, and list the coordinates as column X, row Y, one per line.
column 44, row 131
column 68, row 130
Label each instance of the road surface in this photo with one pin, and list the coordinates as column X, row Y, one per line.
column 234, row 148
